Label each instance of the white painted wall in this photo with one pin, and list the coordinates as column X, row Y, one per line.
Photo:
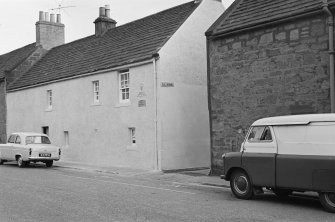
column 98, row 134
column 183, row 109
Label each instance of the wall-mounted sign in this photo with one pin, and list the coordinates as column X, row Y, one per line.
column 141, row 93
column 167, row 84
column 142, row 103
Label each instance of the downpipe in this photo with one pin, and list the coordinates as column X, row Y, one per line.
column 330, row 23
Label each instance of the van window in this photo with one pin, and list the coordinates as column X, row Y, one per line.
column 256, row 133
column 260, row 133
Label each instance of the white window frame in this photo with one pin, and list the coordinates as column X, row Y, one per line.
column 49, row 99
column 124, row 87
column 96, row 91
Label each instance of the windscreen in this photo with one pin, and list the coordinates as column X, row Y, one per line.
column 37, row 140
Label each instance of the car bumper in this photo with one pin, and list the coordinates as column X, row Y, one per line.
column 43, row 158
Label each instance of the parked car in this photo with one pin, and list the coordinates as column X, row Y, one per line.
column 285, row 154
column 29, row 147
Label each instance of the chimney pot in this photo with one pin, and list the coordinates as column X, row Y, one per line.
column 47, row 19
column 59, row 20
column 41, row 17
column 102, row 12
column 52, row 18
column 107, row 11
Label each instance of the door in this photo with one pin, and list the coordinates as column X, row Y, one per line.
column 258, row 158
column 7, row 152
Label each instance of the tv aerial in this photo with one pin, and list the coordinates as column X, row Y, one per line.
column 60, row 7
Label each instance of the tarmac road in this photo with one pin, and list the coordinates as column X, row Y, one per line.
column 65, row 193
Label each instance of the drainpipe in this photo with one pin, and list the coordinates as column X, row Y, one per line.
column 156, row 150
column 331, row 54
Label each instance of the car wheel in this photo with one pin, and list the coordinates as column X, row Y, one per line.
column 20, row 162
column 282, row 193
column 1, row 161
column 328, row 201
column 49, row 163
column 240, row 185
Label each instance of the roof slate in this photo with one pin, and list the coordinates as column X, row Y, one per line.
column 247, row 13
column 12, row 59
column 133, row 42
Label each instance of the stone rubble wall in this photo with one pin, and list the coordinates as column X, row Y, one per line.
column 279, row 70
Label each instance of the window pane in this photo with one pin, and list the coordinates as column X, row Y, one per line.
column 266, row 134
column 256, row 133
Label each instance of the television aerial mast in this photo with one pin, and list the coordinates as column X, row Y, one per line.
column 60, row 7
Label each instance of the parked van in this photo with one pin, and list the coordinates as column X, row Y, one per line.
column 285, row 154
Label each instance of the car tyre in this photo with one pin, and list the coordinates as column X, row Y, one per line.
column 240, row 185
column 1, row 161
column 49, row 163
column 327, row 200
column 282, row 193
column 20, row 162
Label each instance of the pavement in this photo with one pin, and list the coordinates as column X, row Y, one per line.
column 190, row 177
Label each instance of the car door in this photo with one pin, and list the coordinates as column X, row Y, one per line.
column 18, row 148
column 9, row 148
column 258, row 157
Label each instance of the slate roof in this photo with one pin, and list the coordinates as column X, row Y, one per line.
column 249, row 13
column 12, row 59
column 133, row 42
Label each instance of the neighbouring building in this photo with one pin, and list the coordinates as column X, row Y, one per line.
column 267, row 58
column 133, row 95
column 49, row 33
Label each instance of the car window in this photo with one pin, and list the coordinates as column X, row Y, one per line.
column 11, row 139
column 37, row 140
column 18, row 140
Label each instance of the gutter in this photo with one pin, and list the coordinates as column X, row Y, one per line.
column 209, row 105
column 82, row 75
column 330, row 22
column 156, row 150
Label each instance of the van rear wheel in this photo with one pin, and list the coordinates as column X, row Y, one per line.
column 328, row 201
column 240, row 185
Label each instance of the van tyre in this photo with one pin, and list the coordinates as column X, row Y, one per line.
column 328, row 201
column 240, row 185
column 49, row 163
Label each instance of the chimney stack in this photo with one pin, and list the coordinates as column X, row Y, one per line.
column 49, row 32
column 104, row 23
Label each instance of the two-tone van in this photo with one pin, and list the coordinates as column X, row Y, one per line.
column 285, row 154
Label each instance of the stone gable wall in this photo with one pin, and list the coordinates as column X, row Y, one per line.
column 278, row 70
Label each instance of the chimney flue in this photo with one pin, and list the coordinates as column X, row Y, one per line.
column 52, row 18
column 108, row 11
column 102, row 12
column 59, row 20
column 47, row 19
column 41, row 17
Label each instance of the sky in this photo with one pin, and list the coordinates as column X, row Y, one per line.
column 18, row 17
